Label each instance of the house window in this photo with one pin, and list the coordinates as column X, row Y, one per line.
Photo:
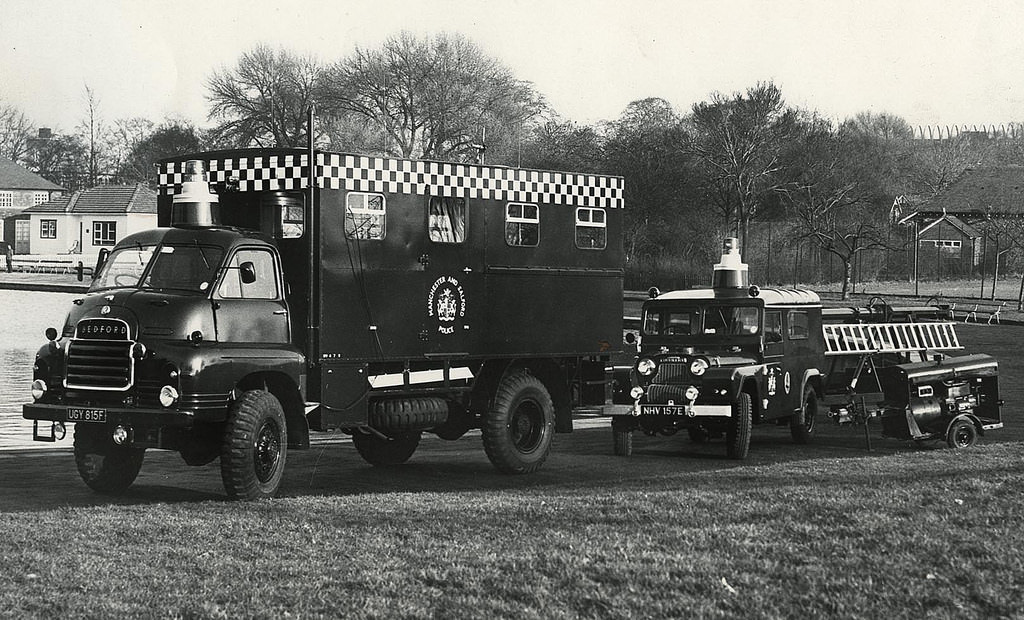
column 6, row 200
column 365, row 216
column 39, row 198
column 104, row 233
column 942, row 243
column 591, row 229
column 47, row 229
column 447, row 219
column 522, row 224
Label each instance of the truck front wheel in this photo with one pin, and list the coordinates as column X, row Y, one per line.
column 737, row 438
column 518, row 428
column 384, row 452
column 107, row 469
column 255, row 446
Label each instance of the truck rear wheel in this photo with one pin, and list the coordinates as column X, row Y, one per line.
column 962, row 434
column 107, row 469
column 801, row 425
column 384, row 452
column 255, row 447
column 518, row 428
column 737, row 438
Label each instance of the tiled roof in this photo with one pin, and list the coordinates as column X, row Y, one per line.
column 13, row 176
column 109, row 199
column 983, row 189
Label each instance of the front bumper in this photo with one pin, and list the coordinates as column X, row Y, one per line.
column 678, row 411
column 136, row 418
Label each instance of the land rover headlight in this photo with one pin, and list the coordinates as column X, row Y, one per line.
column 646, row 366
column 691, row 393
column 38, row 389
column 636, row 393
column 168, row 396
column 698, row 366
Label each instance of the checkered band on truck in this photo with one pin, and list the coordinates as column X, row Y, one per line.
column 254, row 174
column 403, row 176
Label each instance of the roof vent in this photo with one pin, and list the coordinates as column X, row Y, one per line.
column 195, row 204
column 732, row 271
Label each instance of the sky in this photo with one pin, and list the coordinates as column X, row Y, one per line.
column 935, row 62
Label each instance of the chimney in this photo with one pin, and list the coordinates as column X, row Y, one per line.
column 45, row 133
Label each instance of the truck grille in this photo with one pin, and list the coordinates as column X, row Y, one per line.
column 673, row 372
column 99, row 364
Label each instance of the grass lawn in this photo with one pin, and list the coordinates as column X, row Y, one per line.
column 913, row 534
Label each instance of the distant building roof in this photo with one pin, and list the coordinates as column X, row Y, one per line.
column 982, row 190
column 108, row 199
column 13, row 176
column 958, row 224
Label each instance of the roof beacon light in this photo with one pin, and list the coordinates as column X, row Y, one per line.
column 732, row 271
column 195, row 204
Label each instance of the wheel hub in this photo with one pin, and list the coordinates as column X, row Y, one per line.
column 267, row 451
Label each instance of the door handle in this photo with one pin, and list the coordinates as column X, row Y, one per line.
column 280, row 312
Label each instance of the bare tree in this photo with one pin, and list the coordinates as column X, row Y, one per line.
column 92, row 130
column 125, row 137
column 432, row 97
column 832, row 203
column 15, row 131
column 264, row 100
column 738, row 139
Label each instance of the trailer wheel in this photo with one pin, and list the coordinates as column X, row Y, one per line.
column 518, row 428
column 107, row 469
column 801, row 425
column 962, row 434
column 386, row 452
column 255, row 446
column 737, row 438
column 698, row 434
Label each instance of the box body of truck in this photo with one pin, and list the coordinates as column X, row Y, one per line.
column 382, row 297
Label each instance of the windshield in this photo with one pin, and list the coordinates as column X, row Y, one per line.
column 178, row 267
column 702, row 320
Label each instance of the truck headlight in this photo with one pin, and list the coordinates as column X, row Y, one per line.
column 168, row 396
column 691, row 393
column 38, row 389
column 646, row 366
column 698, row 366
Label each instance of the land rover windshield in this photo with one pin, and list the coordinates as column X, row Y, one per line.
column 702, row 321
column 189, row 268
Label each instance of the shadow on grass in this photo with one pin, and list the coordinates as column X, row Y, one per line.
column 581, row 462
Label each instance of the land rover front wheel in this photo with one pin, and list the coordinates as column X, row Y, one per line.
column 801, row 425
column 255, row 446
column 105, row 467
column 737, row 438
column 519, row 426
column 385, row 452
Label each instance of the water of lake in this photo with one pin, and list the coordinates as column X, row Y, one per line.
column 24, row 317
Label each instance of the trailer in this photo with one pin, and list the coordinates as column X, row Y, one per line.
column 290, row 290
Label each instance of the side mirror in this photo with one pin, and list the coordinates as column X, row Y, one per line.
column 101, row 258
column 248, row 272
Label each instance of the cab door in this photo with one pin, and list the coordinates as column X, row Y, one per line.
column 249, row 304
column 773, row 386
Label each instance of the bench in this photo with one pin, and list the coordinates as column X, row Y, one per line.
column 992, row 310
